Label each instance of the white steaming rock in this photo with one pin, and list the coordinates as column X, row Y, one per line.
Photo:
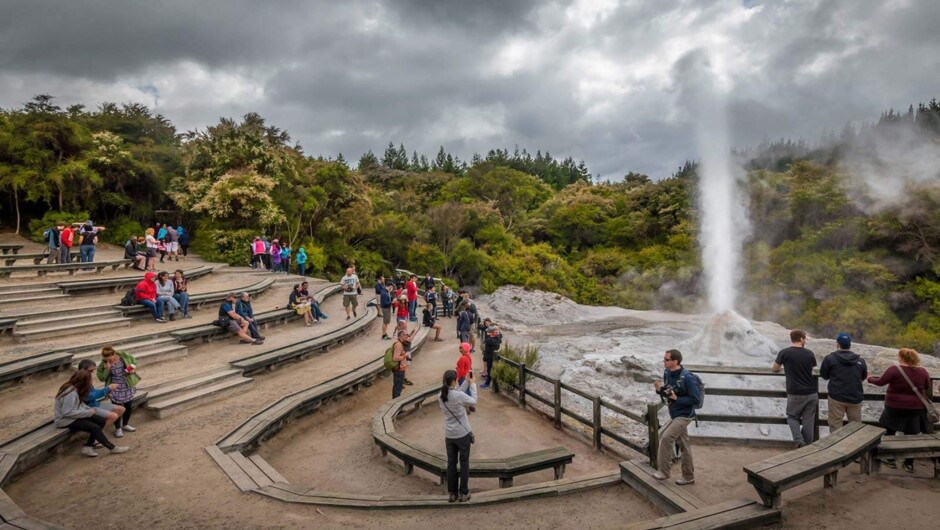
column 729, row 338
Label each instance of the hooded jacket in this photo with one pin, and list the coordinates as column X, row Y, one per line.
column 301, row 256
column 845, row 371
column 68, row 408
column 147, row 288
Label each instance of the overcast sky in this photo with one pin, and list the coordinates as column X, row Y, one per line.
column 598, row 80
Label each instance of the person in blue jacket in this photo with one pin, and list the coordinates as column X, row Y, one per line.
column 681, row 391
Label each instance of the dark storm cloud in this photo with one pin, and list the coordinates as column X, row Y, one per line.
column 594, row 79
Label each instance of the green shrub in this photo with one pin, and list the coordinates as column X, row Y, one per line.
column 228, row 246
column 507, row 375
column 121, row 229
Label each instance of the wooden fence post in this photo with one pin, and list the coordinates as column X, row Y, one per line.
column 652, row 421
column 522, row 385
column 816, row 422
column 597, row 423
column 558, row 403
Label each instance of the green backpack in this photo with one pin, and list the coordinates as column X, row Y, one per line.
column 389, row 362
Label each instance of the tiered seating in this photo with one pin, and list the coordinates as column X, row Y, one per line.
column 10, row 248
column 70, row 268
column 10, row 259
column 412, row 455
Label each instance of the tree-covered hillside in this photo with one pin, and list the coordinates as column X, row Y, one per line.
column 820, row 255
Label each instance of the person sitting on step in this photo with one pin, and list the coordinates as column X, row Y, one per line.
column 165, row 290
column 244, row 310
column 298, row 302
column 430, row 321
column 70, row 412
column 232, row 321
column 315, row 310
column 145, row 293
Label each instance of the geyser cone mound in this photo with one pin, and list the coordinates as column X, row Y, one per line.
column 728, row 337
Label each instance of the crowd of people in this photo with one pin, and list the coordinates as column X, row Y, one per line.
column 62, row 238
column 166, row 298
column 163, row 240
column 276, row 256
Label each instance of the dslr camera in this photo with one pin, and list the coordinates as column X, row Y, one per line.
column 665, row 390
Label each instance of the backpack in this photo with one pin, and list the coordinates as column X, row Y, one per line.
column 129, row 298
column 47, row 234
column 701, row 387
column 389, row 360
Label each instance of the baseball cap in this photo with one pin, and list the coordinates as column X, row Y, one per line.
column 844, row 340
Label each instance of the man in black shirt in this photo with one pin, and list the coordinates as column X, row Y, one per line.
column 802, row 389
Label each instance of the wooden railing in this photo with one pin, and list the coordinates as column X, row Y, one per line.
column 595, row 424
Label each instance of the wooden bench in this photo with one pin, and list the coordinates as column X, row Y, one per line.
column 7, row 248
column 10, row 259
column 12, row 517
column 116, row 284
column 7, row 324
column 823, row 458
column 666, row 494
column 412, row 455
column 197, row 301
column 42, row 270
column 13, row 371
column 917, row 446
column 742, row 513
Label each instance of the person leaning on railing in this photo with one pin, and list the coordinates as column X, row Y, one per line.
column 905, row 401
column 802, row 388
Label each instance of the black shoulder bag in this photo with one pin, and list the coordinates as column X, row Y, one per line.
column 472, row 437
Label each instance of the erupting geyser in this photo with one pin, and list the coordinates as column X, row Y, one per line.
column 723, row 223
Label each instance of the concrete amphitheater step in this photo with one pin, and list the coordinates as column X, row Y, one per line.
column 169, row 388
column 160, row 354
column 32, row 333
column 41, row 322
column 178, row 402
column 134, row 346
column 33, row 297
column 11, row 290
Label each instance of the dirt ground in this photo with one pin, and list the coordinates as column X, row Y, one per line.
column 167, row 481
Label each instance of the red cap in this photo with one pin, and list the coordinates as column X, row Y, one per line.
column 465, row 347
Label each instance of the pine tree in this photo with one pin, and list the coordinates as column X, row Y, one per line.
column 368, row 161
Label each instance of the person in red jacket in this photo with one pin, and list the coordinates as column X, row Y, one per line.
column 464, row 365
column 905, row 410
column 146, row 295
column 67, row 237
column 412, row 289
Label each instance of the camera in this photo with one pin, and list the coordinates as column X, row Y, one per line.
column 665, row 390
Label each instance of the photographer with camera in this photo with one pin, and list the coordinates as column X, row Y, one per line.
column 458, row 435
column 680, row 389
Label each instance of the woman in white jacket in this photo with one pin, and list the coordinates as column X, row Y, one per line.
column 458, row 435
column 166, row 304
column 70, row 412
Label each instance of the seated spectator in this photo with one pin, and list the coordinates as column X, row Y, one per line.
column 145, row 293
column 298, row 302
column 244, row 310
column 430, row 321
column 109, row 411
column 168, row 305
column 314, row 306
column 181, row 292
column 70, row 412
column 130, row 252
column 232, row 321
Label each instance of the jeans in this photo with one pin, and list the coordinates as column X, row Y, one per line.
column 165, row 302
column 92, row 425
column 458, row 448
column 66, row 254
column 88, row 253
column 253, row 330
column 801, row 417
column 839, row 409
column 412, row 309
column 301, row 268
column 488, row 361
column 677, row 430
column 152, row 306
column 398, row 383
column 55, row 255
column 122, row 421
column 316, row 312
column 183, row 300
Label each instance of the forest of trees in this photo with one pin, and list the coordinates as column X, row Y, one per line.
column 817, row 257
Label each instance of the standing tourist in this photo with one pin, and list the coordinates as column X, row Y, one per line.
column 428, row 281
column 458, row 435
column 447, row 294
column 152, row 246
column 89, row 240
column 464, row 365
column 681, row 391
column 301, row 261
column 379, row 287
column 411, row 289
column 905, row 401
column 172, row 243
column 275, row 256
column 66, row 240
column 430, row 297
column 385, row 306
column 53, row 237
column 285, row 258
column 70, row 412
column 492, row 341
column 400, row 356
column 257, row 249
column 845, row 371
column 183, row 240
column 118, row 367
column 464, row 325
column 802, row 389
column 350, row 285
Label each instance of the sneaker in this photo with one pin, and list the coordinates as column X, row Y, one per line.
column 247, row 341
column 187, row 315
column 660, row 476
column 909, row 467
column 407, row 382
column 89, row 451
column 685, row 482
column 485, row 385
column 438, row 340
column 260, row 337
column 386, row 337
column 890, row 462
column 348, row 317
column 464, row 498
column 257, row 342
column 96, row 445
column 354, row 313
column 324, row 317
column 118, row 433
column 118, row 449
column 161, row 320
column 128, row 428
column 452, row 498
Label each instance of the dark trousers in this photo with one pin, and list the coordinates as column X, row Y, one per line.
column 488, row 361
column 253, row 330
column 122, row 421
column 92, row 425
column 458, row 448
column 448, row 309
column 398, row 383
